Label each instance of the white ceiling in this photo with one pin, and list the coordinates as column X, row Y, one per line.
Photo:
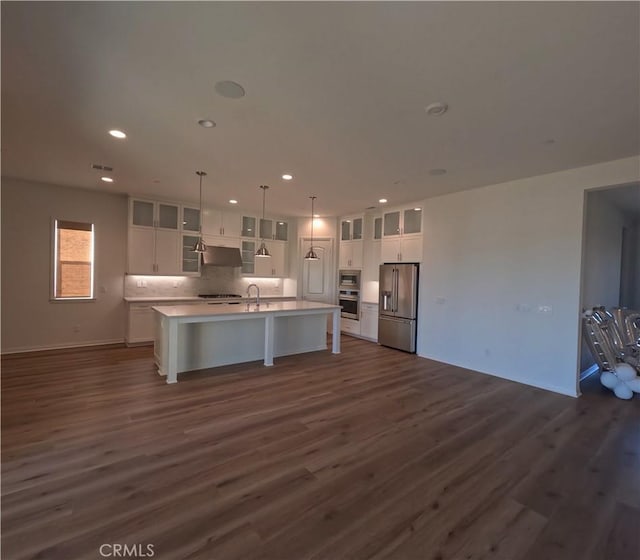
column 335, row 94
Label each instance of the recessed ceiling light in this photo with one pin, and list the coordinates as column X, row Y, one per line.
column 229, row 89
column 382, row 200
column 206, row 123
column 436, row 109
column 316, row 215
column 117, row 133
column 437, row 171
column 287, row 177
column 107, row 179
column 417, row 209
column 233, row 201
column 280, row 223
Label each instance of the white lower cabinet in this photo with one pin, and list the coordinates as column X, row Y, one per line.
column 350, row 326
column 141, row 321
column 140, row 326
column 369, row 321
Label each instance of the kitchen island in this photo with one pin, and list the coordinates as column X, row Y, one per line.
column 192, row 337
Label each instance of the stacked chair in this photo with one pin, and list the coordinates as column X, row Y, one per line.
column 613, row 337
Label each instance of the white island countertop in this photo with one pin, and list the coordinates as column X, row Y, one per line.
column 242, row 308
column 169, row 299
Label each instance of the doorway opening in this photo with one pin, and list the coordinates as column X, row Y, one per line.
column 611, row 255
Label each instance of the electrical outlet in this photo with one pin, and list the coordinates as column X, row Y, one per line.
column 545, row 309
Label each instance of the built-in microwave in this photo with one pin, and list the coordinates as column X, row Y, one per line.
column 349, row 280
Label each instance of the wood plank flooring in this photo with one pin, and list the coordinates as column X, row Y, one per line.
column 369, row 454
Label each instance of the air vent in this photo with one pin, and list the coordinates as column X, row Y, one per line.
column 101, row 167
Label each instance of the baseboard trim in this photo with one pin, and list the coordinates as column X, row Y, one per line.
column 589, row 372
column 117, row 342
column 552, row 388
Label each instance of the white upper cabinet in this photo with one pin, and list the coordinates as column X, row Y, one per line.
column 351, row 228
column 274, row 266
column 147, row 213
column 221, row 222
column 154, row 238
column 406, row 221
column 351, row 242
column 402, row 235
column 190, row 219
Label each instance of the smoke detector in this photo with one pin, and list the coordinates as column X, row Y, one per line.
column 436, row 109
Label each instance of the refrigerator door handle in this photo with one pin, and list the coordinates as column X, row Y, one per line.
column 396, row 282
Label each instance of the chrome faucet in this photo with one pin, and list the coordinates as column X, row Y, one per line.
column 257, row 293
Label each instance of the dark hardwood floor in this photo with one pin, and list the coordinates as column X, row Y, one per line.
column 370, row 454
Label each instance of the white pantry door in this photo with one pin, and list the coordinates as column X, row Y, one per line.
column 318, row 276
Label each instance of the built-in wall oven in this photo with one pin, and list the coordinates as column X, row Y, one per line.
column 349, row 294
column 349, row 300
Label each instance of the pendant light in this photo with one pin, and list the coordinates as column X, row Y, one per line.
column 311, row 254
column 262, row 250
column 200, row 246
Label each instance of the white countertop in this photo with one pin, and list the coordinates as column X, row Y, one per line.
column 162, row 299
column 242, row 309
column 140, row 299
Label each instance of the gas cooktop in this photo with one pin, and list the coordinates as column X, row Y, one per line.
column 218, row 296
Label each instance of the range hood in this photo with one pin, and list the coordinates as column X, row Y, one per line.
column 222, row 256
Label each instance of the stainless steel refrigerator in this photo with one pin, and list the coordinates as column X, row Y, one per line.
column 398, row 306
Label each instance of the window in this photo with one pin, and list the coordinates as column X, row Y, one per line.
column 73, row 260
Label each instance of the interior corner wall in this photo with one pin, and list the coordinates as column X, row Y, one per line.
column 603, row 251
column 501, row 276
column 30, row 321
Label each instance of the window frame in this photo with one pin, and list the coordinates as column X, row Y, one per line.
column 54, row 298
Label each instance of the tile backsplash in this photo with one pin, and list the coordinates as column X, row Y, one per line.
column 214, row 279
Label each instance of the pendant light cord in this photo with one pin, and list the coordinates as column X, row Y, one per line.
column 313, row 199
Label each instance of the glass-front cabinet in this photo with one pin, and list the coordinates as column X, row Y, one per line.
column 351, row 229
column 190, row 219
column 190, row 259
column 377, row 227
column 402, row 222
column 267, row 228
column 412, row 220
column 248, row 226
column 391, row 224
column 248, row 251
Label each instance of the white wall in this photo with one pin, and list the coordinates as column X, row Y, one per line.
column 29, row 319
column 603, row 251
column 497, row 253
column 636, row 296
